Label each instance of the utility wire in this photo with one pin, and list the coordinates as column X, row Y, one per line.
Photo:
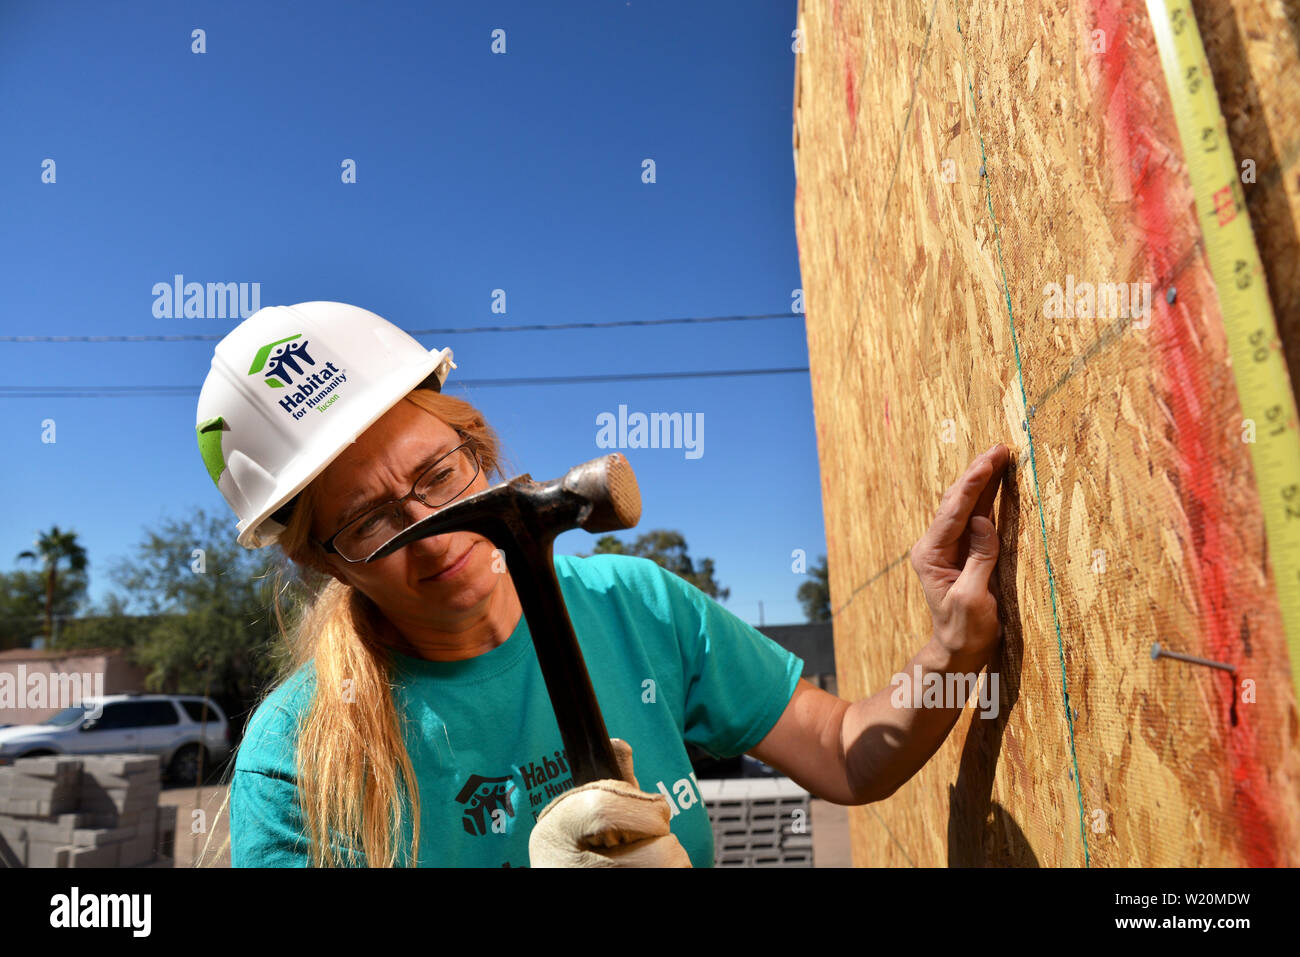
column 128, row 391
column 460, row 330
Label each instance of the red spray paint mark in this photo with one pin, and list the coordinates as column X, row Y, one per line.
column 850, row 76
column 850, row 98
column 1130, row 115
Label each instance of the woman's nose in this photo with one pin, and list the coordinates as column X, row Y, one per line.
column 414, row 510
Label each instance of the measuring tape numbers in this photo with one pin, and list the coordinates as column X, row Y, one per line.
column 1258, row 364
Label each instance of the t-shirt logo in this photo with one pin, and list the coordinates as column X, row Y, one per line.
column 482, row 798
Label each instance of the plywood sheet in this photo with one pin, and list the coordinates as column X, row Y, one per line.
column 955, row 161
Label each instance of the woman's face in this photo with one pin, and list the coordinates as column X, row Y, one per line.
column 437, row 582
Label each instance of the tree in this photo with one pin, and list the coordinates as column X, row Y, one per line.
column 22, row 604
column 53, row 548
column 206, row 620
column 108, row 626
column 667, row 549
column 815, row 595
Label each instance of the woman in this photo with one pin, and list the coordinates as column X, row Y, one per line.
column 413, row 726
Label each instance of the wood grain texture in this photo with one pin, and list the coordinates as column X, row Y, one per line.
column 946, row 178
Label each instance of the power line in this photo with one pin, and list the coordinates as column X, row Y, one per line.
column 630, row 377
column 451, row 330
column 102, row 391
column 130, row 391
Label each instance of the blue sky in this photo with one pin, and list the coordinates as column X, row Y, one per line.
column 475, row 171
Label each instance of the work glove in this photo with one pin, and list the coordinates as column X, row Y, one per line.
column 607, row 823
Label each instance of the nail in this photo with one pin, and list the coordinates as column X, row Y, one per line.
column 1158, row 652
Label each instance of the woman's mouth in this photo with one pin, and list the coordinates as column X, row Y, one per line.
column 454, row 569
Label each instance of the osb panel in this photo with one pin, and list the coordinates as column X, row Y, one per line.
column 931, row 162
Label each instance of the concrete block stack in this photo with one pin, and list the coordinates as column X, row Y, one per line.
column 759, row 822
column 38, row 804
column 84, row 811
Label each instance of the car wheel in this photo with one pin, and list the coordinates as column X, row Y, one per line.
column 184, row 767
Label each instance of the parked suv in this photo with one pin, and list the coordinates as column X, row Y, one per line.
column 165, row 725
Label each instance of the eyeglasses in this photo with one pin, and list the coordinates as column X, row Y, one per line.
column 441, row 483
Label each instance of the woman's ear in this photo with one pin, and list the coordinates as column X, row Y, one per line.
column 337, row 569
column 314, row 559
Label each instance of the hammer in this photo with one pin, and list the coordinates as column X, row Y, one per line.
column 522, row 518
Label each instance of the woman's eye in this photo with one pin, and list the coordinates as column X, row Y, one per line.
column 370, row 524
column 439, row 479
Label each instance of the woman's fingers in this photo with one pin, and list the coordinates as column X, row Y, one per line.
column 972, row 584
column 998, row 457
column 961, row 498
column 936, row 554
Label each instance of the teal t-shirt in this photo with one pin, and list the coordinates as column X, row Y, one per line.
column 668, row 665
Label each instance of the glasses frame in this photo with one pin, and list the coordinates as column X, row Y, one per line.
column 468, row 445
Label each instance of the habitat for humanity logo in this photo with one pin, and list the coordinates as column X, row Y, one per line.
column 282, row 360
column 487, row 804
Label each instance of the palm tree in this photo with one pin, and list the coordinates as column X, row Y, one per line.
column 52, row 548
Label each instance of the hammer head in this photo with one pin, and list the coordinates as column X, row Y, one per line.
column 599, row 496
column 609, row 488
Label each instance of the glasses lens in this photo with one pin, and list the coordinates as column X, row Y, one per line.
column 448, row 478
column 360, row 539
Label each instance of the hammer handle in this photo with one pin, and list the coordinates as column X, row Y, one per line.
column 582, row 728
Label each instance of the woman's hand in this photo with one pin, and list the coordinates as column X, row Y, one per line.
column 955, row 557
column 607, row 824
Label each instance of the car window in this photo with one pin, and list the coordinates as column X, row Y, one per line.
column 137, row 714
column 66, row 717
column 114, row 717
column 154, row 713
column 195, row 710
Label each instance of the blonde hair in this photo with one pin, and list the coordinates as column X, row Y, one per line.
column 350, row 746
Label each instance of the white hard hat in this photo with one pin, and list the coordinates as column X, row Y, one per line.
column 290, row 388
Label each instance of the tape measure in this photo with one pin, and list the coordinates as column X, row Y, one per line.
column 1258, row 366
